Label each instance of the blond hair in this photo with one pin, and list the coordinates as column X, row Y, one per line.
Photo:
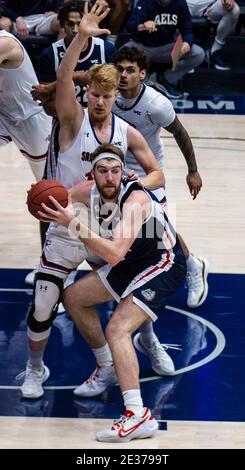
column 104, row 75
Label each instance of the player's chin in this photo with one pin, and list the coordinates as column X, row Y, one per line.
column 109, row 192
column 100, row 115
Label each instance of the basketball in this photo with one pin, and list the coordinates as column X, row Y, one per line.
column 41, row 191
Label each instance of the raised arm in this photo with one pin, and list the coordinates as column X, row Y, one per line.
column 69, row 111
column 137, row 144
column 183, row 141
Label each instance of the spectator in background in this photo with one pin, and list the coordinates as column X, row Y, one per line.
column 225, row 14
column 30, row 16
column 154, row 25
column 116, row 18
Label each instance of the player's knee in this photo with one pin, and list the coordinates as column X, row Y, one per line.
column 235, row 12
column 46, row 297
column 70, row 298
column 115, row 329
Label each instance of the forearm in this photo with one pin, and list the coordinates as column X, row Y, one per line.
column 50, row 108
column 109, row 250
column 184, row 143
column 154, row 180
column 80, row 78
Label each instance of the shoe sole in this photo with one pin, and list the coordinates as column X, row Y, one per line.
column 88, row 395
column 205, row 292
column 223, row 69
column 140, row 348
column 46, row 376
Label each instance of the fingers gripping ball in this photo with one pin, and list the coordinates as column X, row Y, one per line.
column 41, row 191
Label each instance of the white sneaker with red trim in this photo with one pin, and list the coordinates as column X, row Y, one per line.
column 97, row 383
column 129, row 427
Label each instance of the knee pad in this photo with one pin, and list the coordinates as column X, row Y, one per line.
column 47, row 294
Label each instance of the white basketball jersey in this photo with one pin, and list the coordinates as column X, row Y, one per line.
column 15, row 88
column 148, row 112
column 74, row 164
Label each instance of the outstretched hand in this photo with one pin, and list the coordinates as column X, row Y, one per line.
column 89, row 24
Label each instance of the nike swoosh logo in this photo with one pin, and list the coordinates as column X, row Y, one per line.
column 125, row 432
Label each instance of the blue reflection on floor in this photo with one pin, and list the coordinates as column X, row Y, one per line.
column 214, row 391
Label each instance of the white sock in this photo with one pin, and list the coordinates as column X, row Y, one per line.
column 147, row 333
column 133, row 401
column 103, row 356
column 36, row 359
column 192, row 263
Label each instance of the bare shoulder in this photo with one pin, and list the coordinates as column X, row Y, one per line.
column 139, row 197
column 10, row 50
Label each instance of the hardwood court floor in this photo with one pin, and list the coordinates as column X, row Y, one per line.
column 213, row 225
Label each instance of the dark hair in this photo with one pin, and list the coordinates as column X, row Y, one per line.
column 107, row 148
column 133, row 54
column 71, row 5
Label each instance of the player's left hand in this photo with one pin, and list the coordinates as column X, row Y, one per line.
column 194, row 182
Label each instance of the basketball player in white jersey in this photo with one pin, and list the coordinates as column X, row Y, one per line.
column 81, row 130
column 21, row 119
column 95, row 51
column 149, row 111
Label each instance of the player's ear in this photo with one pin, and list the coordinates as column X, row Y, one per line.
column 142, row 74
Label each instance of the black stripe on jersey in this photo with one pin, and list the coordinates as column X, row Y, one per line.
column 112, row 130
column 131, row 186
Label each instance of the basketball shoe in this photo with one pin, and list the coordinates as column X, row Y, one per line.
column 161, row 362
column 197, row 284
column 34, row 378
column 30, row 277
column 129, row 427
column 97, row 383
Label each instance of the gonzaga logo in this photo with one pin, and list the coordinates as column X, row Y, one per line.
column 148, row 294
